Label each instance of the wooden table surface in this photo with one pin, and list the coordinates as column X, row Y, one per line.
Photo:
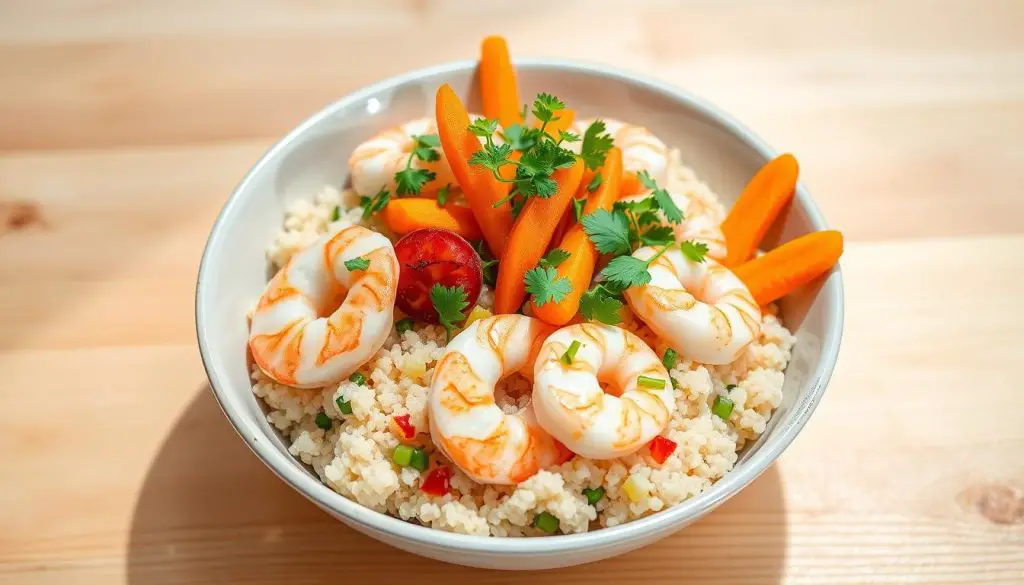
column 125, row 124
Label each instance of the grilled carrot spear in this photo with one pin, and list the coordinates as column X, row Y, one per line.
column 781, row 271
column 760, row 203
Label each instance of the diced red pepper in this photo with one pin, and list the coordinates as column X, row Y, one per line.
column 564, row 453
column 403, row 424
column 661, row 448
column 437, row 481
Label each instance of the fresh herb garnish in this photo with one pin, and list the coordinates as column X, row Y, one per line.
column 665, row 203
column 442, row 195
column 596, row 143
column 658, row 235
column 577, row 208
column 357, row 263
column 410, row 181
column 669, row 359
column 449, row 302
column 374, row 204
column 595, row 183
column 608, row 230
column 488, row 264
column 601, row 304
column 570, row 352
column 650, row 382
column 694, row 251
column 546, row 286
column 336, row 213
column 554, row 258
column 541, row 154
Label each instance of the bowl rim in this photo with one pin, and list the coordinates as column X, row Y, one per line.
column 426, row 537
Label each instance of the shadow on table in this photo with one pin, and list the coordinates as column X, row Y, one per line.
column 211, row 512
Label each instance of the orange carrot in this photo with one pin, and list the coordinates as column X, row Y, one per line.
column 579, row 267
column 413, row 213
column 781, row 271
column 760, row 203
column 481, row 188
column 564, row 122
column 498, row 83
column 529, row 238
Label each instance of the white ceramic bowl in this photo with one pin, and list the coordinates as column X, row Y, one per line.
column 233, row 273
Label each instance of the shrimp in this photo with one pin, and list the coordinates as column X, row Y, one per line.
column 572, row 404
column 697, row 225
column 291, row 340
column 701, row 309
column 373, row 164
column 467, row 425
column 641, row 151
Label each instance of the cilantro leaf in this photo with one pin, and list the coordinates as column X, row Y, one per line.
column 449, row 302
column 425, row 147
column 609, row 231
column 694, row 251
column 545, row 105
column 662, row 199
column 595, row 182
column 374, row 204
column 658, row 235
column 520, row 137
column 595, row 145
column 442, row 195
column 637, row 206
column 598, row 305
column 570, row 137
column 483, row 127
column 554, row 258
column 410, row 181
column 336, row 213
column 488, row 264
column 627, row 271
column 577, row 208
column 357, row 263
column 545, row 285
column 647, row 218
column 492, row 156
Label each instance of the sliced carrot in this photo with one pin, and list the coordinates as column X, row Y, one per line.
column 760, row 203
column 529, row 238
column 498, row 88
column 781, row 271
column 413, row 213
column 579, row 267
column 481, row 188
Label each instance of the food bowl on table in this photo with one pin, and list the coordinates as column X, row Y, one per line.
column 234, row 271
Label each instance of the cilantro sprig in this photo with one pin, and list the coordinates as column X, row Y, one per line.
column 540, row 154
column 630, row 225
column 488, row 263
column 543, row 281
column 409, row 180
column 450, row 302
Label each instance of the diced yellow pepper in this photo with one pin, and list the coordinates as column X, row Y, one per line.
column 636, row 488
column 476, row 314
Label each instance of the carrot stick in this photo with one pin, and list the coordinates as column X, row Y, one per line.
column 579, row 267
column 481, row 188
column 498, row 88
column 781, row 271
column 413, row 213
column 529, row 238
column 758, row 206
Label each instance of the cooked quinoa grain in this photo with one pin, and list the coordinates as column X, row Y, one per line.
column 353, row 455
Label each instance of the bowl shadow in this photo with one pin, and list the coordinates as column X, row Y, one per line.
column 210, row 512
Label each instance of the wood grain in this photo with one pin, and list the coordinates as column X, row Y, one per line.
column 125, row 124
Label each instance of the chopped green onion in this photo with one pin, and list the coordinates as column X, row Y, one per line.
column 730, row 387
column 669, row 359
column 402, row 455
column 650, row 382
column 323, row 421
column 674, row 385
column 344, row 405
column 336, row 214
column 722, row 407
column 593, row 495
column 545, row 522
column 419, row 461
column 358, row 378
column 358, row 263
column 404, row 325
column 570, row 354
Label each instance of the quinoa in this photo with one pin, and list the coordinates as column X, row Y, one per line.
column 353, row 455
